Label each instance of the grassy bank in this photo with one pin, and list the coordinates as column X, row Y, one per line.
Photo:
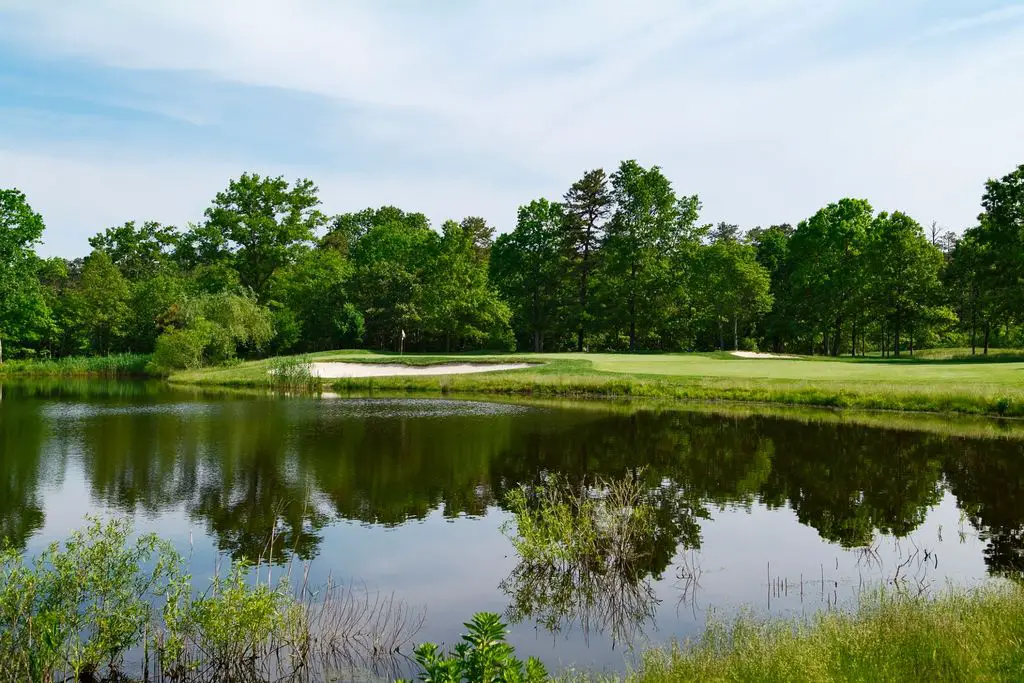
column 952, row 384
column 116, row 365
column 960, row 636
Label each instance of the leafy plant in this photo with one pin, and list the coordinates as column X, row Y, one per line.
column 229, row 629
column 82, row 606
column 483, row 656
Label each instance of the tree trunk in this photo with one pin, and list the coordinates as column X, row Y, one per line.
column 632, row 310
column 988, row 327
column 974, row 332
column 735, row 334
column 583, row 304
column 721, row 336
column 536, row 315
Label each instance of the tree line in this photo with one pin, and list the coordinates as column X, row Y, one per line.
column 621, row 263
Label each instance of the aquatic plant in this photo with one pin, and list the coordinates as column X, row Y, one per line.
column 294, row 373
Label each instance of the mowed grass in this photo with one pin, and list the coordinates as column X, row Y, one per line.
column 959, row 636
column 954, row 384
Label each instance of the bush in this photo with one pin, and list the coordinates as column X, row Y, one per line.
column 229, row 627
column 77, row 610
column 182, row 349
column 79, row 607
column 210, row 330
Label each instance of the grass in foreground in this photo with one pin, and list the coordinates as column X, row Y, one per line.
column 959, row 636
column 945, row 385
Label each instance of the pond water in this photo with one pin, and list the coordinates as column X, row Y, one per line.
column 408, row 497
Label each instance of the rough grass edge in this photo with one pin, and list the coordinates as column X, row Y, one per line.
column 974, row 634
column 114, row 365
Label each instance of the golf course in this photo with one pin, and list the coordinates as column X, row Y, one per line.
column 950, row 381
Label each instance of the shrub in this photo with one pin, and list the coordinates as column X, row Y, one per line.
column 230, row 627
column 181, row 349
column 81, row 606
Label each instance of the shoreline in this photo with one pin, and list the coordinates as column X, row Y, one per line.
column 937, row 387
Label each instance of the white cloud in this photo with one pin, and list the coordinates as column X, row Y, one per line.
column 768, row 109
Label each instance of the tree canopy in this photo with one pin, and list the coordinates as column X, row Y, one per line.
column 622, row 262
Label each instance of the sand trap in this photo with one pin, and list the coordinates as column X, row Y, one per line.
column 341, row 370
column 755, row 354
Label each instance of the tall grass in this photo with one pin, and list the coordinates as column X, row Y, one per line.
column 958, row 636
column 115, row 365
column 294, row 374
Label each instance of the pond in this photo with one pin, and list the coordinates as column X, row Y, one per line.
column 407, row 497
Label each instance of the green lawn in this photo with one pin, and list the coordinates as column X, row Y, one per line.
column 993, row 386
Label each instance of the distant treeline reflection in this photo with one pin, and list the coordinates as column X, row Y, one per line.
column 240, row 466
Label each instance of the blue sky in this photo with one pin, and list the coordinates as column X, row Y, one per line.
column 113, row 110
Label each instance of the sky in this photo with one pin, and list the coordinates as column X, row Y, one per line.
column 116, row 110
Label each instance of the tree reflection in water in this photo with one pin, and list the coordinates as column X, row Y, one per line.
column 587, row 551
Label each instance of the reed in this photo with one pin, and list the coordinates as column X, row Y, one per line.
column 114, row 365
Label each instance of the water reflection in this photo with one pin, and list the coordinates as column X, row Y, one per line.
column 237, row 466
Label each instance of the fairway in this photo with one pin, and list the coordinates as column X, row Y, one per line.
column 946, row 374
column 949, row 384
column 840, row 370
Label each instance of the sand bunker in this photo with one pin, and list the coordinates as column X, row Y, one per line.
column 755, row 354
column 341, row 370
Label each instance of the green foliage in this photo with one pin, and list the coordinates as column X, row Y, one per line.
column 212, row 329
column 83, row 605
column 588, row 549
column 23, row 313
column 229, row 627
column 460, row 305
column 77, row 610
column 526, row 267
column 735, row 289
column 138, row 251
column 181, row 349
column 313, row 306
column 902, row 276
column 257, row 224
column 114, row 365
column 294, row 373
column 622, row 263
column 581, row 232
column 392, row 261
column 960, row 636
column 641, row 237
column 100, row 302
column 825, row 270
column 483, row 656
